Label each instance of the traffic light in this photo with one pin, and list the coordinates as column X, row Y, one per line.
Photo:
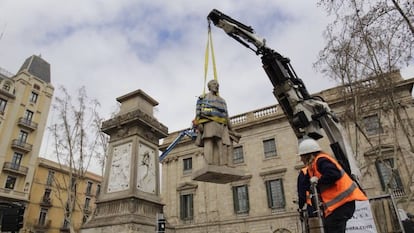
column 160, row 223
column 12, row 219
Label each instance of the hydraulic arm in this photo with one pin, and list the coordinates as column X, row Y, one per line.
column 188, row 132
column 306, row 114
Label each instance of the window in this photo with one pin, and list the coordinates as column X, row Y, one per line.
column 187, row 164
column 85, row 218
column 65, row 224
column 67, row 207
column 16, row 160
column 89, row 188
column 98, row 189
column 238, row 155
column 87, row 201
column 33, row 97
column 186, row 207
column 241, row 199
column 42, row 216
column 372, row 124
column 23, row 136
column 6, row 87
column 28, row 116
column 73, row 184
column 50, row 177
column 46, row 196
column 10, row 182
column 3, row 104
column 269, row 147
column 275, row 194
column 389, row 177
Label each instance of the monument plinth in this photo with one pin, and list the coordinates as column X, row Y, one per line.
column 130, row 197
column 217, row 174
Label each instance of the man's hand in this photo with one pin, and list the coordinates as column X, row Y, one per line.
column 197, row 126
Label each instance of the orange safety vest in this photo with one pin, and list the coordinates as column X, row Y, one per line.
column 308, row 199
column 344, row 190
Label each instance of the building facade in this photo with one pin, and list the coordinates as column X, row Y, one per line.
column 25, row 99
column 49, row 197
column 265, row 199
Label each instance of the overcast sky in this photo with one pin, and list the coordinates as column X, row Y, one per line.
column 116, row 47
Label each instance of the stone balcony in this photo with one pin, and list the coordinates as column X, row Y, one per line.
column 42, row 225
column 23, row 146
column 46, row 202
column 27, row 124
column 15, row 168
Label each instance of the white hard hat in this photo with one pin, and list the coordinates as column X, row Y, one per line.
column 308, row 145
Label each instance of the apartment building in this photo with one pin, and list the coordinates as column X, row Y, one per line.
column 25, row 99
column 264, row 200
column 49, row 196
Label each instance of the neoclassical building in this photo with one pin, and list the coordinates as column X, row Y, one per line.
column 377, row 114
column 25, row 100
column 49, row 197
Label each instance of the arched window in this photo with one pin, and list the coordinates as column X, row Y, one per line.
column 6, row 86
column 282, row 230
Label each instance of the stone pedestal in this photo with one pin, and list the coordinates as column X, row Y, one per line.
column 124, row 215
column 130, row 197
column 218, row 174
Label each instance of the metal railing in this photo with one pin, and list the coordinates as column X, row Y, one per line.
column 46, row 201
column 27, row 123
column 16, row 143
column 42, row 224
column 14, row 167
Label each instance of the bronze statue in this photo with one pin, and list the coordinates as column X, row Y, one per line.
column 215, row 133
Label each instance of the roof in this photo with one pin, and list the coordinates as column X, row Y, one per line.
column 37, row 67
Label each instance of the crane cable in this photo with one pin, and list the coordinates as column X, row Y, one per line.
column 209, row 46
column 202, row 105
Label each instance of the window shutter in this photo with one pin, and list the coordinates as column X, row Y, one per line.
column 269, row 194
column 282, row 193
column 181, row 206
column 235, row 200
column 190, row 204
column 247, row 199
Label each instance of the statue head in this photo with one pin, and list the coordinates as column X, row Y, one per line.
column 213, row 86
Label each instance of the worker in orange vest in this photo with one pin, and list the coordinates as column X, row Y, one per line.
column 337, row 190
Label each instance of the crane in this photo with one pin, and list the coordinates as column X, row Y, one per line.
column 307, row 115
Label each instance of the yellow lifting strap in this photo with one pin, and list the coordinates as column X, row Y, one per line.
column 209, row 46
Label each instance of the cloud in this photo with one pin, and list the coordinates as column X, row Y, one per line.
column 116, row 47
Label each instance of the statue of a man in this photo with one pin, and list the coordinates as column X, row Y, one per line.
column 214, row 130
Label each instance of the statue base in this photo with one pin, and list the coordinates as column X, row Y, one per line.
column 218, row 174
column 132, row 215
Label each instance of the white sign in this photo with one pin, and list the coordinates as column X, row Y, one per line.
column 362, row 221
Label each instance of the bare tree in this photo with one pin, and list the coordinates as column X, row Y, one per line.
column 375, row 36
column 77, row 140
column 372, row 38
